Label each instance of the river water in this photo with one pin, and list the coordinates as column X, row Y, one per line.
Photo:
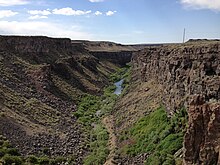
column 119, row 87
column 117, row 91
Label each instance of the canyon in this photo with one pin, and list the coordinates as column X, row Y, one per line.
column 44, row 81
column 178, row 76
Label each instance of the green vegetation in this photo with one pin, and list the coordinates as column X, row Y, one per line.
column 8, row 154
column 158, row 135
column 127, row 78
column 121, row 73
column 91, row 110
column 11, row 156
column 98, row 146
column 87, row 108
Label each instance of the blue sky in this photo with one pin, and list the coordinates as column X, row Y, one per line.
column 122, row 21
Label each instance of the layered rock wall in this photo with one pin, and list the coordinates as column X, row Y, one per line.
column 202, row 139
column 182, row 71
column 36, row 44
column 119, row 57
column 190, row 77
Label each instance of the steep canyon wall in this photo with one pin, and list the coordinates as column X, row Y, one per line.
column 189, row 75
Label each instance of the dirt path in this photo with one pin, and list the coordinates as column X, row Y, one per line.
column 108, row 122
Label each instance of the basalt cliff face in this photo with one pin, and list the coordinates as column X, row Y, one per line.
column 177, row 76
column 182, row 71
column 35, row 44
column 202, row 139
column 120, row 58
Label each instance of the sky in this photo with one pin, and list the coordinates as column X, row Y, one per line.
column 121, row 21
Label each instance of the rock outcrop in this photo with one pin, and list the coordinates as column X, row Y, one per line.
column 35, row 44
column 182, row 70
column 120, row 57
column 189, row 75
column 202, row 139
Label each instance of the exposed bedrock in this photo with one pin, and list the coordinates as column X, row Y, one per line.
column 202, row 139
column 37, row 44
column 120, row 57
column 189, row 75
column 182, row 71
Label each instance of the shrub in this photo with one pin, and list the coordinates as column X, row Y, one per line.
column 32, row 159
column 2, row 152
column 2, row 114
column 6, row 144
column 157, row 134
column 44, row 161
column 9, row 160
column 57, row 160
column 13, row 151
column 78, row 114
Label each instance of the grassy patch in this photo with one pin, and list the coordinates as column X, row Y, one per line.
column 120, row 74
column 98, row 146
column 91, row 110
column 127, row 79
column 89, row 113
column 156, row 134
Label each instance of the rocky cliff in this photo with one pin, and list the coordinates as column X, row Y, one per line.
column 41, row 81
column 119, row 58
column 202, row 139
column 182, row 70
column 179, row 72
column 37, row 44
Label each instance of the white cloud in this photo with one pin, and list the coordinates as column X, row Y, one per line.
column 13, row 2
column 39, row 12
column 110, row 13
column 37, row 17
column 202, row 4
column 70, row 11
column 96, row 0
column 7, row 13
column 98, row 13
column 42, row 28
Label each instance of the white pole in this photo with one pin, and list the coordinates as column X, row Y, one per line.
column 184, row 35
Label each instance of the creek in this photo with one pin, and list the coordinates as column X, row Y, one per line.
column 119, row 87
